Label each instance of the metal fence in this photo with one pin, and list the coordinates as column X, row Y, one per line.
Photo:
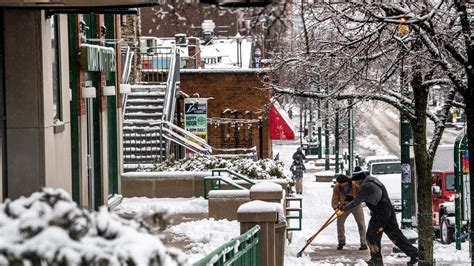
column 242, row 250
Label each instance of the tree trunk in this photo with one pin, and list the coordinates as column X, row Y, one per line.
column 423, row 171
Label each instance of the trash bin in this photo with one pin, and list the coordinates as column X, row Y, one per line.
column 280, row 242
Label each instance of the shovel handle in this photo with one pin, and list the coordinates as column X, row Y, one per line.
column 326, row 224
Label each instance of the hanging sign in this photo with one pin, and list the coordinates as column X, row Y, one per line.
column 195, row 116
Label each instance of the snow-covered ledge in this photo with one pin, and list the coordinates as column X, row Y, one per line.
column 163, row 184
column 267, row 191
column 265, row 215
column 223, row 204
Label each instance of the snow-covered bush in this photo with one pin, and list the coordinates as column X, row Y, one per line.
column 48, row 228
column 261, row 169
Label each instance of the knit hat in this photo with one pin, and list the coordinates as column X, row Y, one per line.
column 358, row 174
column 342, row 178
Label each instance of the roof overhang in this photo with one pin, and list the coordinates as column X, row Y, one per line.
column 45, row 4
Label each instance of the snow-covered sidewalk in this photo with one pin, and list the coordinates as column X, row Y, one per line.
column 204, row 235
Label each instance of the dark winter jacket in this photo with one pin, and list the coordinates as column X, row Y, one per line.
column 297, row 168
column 371, row 191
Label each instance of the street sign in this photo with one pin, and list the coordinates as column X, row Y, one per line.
column 195, row 116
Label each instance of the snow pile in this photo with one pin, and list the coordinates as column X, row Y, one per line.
column 49, row 228
column 142, row 206
column 262, row 169
column 205, row 235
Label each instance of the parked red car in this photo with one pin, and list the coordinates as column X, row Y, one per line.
column 443, row 205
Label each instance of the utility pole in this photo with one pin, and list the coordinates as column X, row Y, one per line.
column 336, row 134
column 350, row 142
column 405, row 136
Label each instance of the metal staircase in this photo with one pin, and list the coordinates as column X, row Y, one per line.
column 142, row 143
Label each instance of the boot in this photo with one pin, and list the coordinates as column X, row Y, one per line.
column 413, row 261
column 375, row 262
column 363, row 247
column 340, row 246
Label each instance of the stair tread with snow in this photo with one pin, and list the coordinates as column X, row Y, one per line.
column 143, row 111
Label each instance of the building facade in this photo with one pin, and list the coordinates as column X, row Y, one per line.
column 60, row 97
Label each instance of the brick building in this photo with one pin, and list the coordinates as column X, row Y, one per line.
column 236, row 97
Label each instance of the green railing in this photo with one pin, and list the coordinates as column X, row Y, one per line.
column 214, row 182
column 242, row 250
column 218, row 172
column 294, row 213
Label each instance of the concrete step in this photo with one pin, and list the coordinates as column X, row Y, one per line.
column 145, row 108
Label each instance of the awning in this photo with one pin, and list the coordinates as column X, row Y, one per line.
column 281, row 127
column 44, row 4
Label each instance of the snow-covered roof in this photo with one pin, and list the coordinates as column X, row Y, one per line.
column 227, row 70
column 227, row 50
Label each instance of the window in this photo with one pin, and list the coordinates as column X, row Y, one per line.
column 450, row 182
column 55, row 47
column 385, row 169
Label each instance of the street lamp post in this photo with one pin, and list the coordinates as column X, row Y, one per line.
column 326, row 136
column 405, row 136
column 350, row 142
column 320, row 144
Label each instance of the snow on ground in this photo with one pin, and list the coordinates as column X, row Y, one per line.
column 144, row 206
column 319, row 194
column 205, row 235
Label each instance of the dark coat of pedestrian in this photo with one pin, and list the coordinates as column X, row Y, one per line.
column 344, row 192
column 298, row 155
column 383, row 219
column 297, row 168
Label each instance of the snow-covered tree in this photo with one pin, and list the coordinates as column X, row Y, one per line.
column 391, row 52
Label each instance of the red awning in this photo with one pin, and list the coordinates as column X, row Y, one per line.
column 281, row 127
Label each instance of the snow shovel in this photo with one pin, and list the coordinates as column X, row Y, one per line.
column 326, row 224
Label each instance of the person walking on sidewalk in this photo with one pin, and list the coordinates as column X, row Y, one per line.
column 343, row 192
column 299, row 155
column 297, row 168
column 382, row 219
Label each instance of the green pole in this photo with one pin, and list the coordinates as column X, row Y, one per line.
column 326, row 137
column 336, row 146
column 112, row 124
column 73, row 83
column 405, row 136
column 459, row 145
column 320, row 144
column 350, row 135
column 92, row 33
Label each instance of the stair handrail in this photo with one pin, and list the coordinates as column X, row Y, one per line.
column 195, row 139
column 170, row 94
column 171, row 133
column 125, row 79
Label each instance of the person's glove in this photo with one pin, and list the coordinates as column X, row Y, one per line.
column 349, row 198
column 339, row 212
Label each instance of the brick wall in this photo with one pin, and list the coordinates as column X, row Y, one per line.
column 238, row 91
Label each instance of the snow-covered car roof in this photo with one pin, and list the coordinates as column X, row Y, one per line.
column 380, row 158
